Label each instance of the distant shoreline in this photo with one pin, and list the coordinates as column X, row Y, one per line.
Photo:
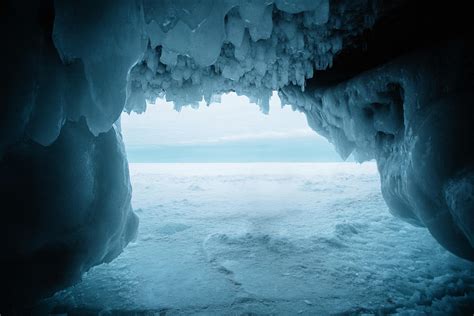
column 252, row 162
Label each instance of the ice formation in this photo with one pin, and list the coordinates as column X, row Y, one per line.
column 383, row 80
column 252, row 48
column 72, row 213
column 404, row 119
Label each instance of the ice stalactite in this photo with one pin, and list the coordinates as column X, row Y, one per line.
column 252, row 48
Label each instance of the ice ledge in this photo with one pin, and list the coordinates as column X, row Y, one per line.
column 414, row 119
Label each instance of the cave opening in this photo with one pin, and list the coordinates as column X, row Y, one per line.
column 222, row 232
column 230, row 130
column 237, row 229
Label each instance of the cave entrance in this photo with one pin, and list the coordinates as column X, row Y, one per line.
column 233, row 130
column 246, row 213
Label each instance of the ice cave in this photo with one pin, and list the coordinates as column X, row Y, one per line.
column 383, row 81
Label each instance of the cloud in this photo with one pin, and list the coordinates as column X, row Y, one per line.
column 234, row 120
column 263, row 135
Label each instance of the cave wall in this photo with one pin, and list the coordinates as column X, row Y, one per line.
column 65, row 208
column 415, row 120
column 64, row 179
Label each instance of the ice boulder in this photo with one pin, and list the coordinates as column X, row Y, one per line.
column 65, row 208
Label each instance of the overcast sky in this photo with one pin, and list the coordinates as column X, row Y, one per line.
column 234, row 122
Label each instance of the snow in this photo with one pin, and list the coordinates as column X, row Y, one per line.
column 273, row 238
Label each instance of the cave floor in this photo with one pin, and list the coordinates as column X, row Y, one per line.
column 269, row 238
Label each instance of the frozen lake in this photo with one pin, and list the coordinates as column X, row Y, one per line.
column 270, row 238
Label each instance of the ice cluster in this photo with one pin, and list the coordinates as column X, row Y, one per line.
column 250, row 47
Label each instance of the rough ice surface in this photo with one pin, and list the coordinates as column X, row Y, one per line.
column 325, row 244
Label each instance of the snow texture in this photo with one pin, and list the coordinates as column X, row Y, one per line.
column 215, row 239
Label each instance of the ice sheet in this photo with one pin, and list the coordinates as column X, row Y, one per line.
column 273, row 238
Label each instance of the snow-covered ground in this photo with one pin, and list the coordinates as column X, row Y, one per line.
column 271, row 238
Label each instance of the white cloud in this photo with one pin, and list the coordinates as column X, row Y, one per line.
column 234, row 119
column 270, row 135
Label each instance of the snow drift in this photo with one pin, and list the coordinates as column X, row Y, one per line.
column 369, row 75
